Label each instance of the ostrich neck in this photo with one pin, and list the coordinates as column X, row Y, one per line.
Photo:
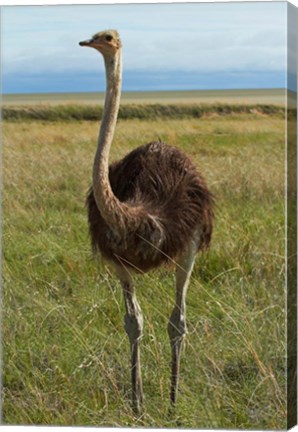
column 116, row 214
column 109, row 119
column 111, row 107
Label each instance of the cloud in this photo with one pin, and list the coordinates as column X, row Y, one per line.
column 192, row 37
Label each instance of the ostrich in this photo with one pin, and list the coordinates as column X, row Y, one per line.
column 150, row 208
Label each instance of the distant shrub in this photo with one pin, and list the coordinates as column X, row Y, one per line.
column 131, row 111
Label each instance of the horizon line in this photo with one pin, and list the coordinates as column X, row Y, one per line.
column 250, row 89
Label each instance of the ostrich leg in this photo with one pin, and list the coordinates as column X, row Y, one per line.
column 133, row 323
column 177, row 322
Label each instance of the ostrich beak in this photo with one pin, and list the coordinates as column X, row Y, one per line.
column 87, row 42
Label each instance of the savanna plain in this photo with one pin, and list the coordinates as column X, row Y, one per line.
column 65, row 352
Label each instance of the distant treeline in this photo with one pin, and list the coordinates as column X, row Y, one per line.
column 132, row 111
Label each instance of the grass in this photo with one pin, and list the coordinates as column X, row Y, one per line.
column 65, row 352
column 239, row 96
column 71, row 112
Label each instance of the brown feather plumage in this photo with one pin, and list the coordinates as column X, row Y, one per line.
column 163, row 182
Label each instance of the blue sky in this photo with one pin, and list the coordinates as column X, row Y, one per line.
column 165, row 46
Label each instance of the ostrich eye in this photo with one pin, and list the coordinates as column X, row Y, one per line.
column 109, row 38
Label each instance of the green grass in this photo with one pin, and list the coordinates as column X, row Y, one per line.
column 71, row 112
column 65, row 352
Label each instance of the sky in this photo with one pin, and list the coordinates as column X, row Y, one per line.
column 187, row 46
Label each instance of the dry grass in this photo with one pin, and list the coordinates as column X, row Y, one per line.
column 244, row 97
column 65, row 351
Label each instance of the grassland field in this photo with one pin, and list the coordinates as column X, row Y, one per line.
column 243, row 97
column 65, row 351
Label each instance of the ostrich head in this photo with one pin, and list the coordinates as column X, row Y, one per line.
column 107, row 42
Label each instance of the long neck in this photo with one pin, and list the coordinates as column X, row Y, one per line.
column 116, row 214
column 112, row 100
